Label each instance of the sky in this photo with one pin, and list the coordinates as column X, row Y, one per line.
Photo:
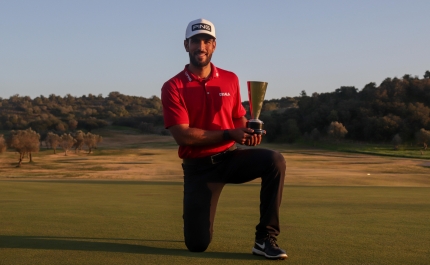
column 95, row 47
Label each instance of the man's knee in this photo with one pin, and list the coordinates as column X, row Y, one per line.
column 275, row 161
column 197, row 233
column 197, row 244
column 280, row 161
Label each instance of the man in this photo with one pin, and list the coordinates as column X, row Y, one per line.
column 204, row 113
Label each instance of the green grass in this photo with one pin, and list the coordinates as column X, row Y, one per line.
column 405, row 150
column 131, row 222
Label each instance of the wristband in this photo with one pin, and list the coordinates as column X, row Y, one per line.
column 226, row 136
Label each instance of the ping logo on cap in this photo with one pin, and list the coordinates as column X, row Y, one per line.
column 201, row 26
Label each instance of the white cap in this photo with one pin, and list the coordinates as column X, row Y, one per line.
column 200, row 26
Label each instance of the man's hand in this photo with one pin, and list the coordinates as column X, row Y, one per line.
column 245, row 136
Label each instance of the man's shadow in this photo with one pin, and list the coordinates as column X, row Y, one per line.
column 106, row 244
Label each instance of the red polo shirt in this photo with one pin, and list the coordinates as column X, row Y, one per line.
column 209, row 104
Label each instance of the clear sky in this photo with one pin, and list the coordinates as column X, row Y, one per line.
column 99, row 46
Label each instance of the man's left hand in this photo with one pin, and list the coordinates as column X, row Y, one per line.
column 255, row 139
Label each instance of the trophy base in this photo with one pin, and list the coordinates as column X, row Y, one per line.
column 256, row 125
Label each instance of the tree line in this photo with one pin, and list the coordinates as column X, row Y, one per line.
column 26, row 142
column 88, row 112
column 397, row 108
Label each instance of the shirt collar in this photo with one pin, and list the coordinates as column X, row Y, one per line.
column 190, row 76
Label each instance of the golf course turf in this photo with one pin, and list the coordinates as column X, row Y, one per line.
column 139, row 222
column 122, row 204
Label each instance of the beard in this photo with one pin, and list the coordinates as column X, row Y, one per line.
column 197, row 63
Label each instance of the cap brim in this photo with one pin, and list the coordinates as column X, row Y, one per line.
column 201, row 33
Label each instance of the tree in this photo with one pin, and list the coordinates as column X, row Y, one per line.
column 336, row 130
column 67, row 141
column 79, row 137
column 397, row 140
column 333, row 116
column 315, row 135
column 407, row 77
column 60, row 127
column 346, row 92
column 25, row 142
column 269, row 106
column 2, row 144
column 290, row 132
column 73, row 124
column 303, row 93
column 418, row 114
column 427, row 74
column 422, row 137
column 53, row 141
column 91, row 140
column 147, row 127
column 99, row 139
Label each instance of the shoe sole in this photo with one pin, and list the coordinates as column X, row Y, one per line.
column 261, row 253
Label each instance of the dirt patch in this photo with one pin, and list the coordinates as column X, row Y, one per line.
column 154, row 157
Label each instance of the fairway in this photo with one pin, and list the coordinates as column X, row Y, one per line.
column 114, row 222
column 123, row 205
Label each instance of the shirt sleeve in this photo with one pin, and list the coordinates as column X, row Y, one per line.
column 174, row 111
column 238, row 109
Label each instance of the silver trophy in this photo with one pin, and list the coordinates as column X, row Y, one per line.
column 256, row 93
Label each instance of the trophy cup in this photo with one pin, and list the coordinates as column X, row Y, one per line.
column 256, row 93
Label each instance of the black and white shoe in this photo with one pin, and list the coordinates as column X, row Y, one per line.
column 267, row 247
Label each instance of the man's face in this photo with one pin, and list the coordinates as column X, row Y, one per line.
column 200, row 49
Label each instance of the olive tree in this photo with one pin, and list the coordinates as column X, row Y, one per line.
column 422, row 137
column 91, row 141
column 2, row 144
column 67, row 141
column 25, row 142
column 79, row 137
column 336, row 130
column 53, row 140
column 397, row 140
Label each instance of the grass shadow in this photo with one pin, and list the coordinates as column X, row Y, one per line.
column 118, row 245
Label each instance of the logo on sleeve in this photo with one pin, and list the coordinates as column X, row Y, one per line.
column 201, row 26
column 224, row 94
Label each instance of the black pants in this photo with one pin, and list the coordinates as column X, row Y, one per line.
column 203, row 185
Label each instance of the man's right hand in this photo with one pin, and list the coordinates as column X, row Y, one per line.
column 245, row 136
